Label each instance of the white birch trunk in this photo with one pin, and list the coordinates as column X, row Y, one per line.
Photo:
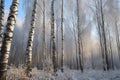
column 53, row 38
column 1, row 21
column 8, row 36
column 30, row 41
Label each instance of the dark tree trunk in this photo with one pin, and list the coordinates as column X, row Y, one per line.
column 53, row 38
column 79, row 42
column 104, row 37
column 44, row 40
column 62, row 38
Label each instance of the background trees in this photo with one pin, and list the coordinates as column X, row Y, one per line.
column 79, row 34
column 91, row 33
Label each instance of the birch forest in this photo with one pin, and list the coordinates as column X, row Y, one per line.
column 59, row 40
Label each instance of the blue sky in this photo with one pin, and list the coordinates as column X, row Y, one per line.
column 21, row 13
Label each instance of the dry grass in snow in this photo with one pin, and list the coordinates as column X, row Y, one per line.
column 18, row 74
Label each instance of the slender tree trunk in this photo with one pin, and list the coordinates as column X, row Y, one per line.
column 62, row 38
column 79, row 43
column 7, row 40
column 44, row 40
column 82, row 57
column 99, row 32
column 30, row 41
column 57, row 47
column 1, row 21
column 53, row 37
column 104, row 36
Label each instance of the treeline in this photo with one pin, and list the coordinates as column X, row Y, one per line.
column 73, row 33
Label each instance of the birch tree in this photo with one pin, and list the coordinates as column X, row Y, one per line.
column 53, row 37
column 104, row 35
column 44, row 40
column 99, row 32
column 8, row 36
column 62, row 38
column 1, row 21
column 79, row 42
column 30, row 41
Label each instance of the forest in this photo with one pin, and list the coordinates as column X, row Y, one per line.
column 59, row 40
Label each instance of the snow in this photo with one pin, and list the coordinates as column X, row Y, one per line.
column 18, row 74
column 89, row 75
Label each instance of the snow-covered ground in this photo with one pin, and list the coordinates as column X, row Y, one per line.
column 18, row 74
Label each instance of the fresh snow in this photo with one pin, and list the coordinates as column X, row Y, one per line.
column 18, row 74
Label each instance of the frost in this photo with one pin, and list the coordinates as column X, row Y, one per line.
column 18, row 74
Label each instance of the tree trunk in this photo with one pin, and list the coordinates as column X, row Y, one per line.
column 8, row 36
column 79, row 43
column 1, row 21
column 30, row 41
column 99, row 32
column 44, row 40
column 104, row 36
column 62, row 38
column 53, row 37
column 57, row 58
